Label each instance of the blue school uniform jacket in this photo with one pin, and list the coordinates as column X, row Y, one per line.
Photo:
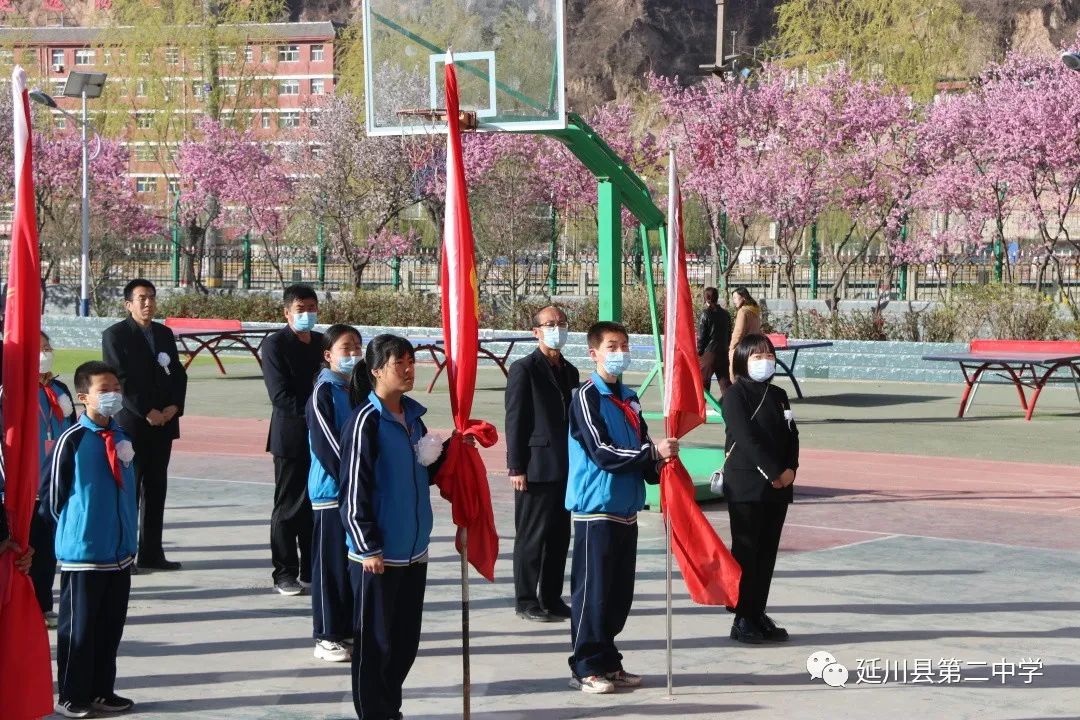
column 96, row 521
column 610, row 460
column 386, row 501
column 51, row 427
column 328, row 409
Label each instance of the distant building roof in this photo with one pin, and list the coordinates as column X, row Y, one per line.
column 89, row 35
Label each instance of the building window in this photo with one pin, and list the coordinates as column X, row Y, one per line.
column 266, row 121
column 318, row 87
column 289, row 87
column 145, row 153
column 232, row 89
column 56, row 56
column 226, row 55
column 288, row 53
column 58, row 87
column 289, row 119
column 140, row 88
column 316, row 53
column 172, row 55
column 313, row 119
column 144, row 58
column 59, row 122
column 84, row 57
column 249, row 54
column 174, row 187
column 144, row 120
column 145, row 184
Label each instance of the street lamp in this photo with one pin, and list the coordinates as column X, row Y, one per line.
column 81, row 85
column 1071, row 60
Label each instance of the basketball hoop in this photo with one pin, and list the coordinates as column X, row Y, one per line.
column 430, row 116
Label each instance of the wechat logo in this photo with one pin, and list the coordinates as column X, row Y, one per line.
column 823, row 666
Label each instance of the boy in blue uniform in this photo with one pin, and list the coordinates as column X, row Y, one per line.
column 328, row 410
column 88, row 488
column 611, row 458
column 386, row 471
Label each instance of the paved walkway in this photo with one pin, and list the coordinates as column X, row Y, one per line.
column 887, row 559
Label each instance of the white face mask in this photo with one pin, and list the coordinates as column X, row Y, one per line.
column 761, row 370
column 554, row 337
column 45, row 362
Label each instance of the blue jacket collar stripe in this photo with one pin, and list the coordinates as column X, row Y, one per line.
column 590, row 423
column 324, row 425
column 54, row 469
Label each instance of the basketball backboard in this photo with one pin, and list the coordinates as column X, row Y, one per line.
column 509, row 57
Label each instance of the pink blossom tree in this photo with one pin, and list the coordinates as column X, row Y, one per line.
column 229, row 180
column 358, row 185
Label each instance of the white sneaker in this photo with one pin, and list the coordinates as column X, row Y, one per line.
column 593, row 684
column 331, row 651
column 621, row 678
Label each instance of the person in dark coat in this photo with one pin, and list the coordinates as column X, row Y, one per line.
column 537, row 397
column 762, row 458
column 154, row 383
column 713, row 337
column 291, row 358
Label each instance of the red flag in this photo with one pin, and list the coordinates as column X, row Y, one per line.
column 462, row 479
column 710, row 572
column 25, row 665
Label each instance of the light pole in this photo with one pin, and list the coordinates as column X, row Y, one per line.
column 81, row 85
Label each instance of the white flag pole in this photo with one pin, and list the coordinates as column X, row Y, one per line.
column 669, row 334
column 466, row 681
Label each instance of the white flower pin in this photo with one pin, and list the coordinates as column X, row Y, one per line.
column 163, row 360
column 789, row 416
column 429, row 449
column 635, row 406
column 125, row 451
column 65, row 405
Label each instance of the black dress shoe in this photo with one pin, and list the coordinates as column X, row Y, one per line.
column 747, row 631
column 558, row 609
column 770, row 630
column 161, row 564
column 536, row 614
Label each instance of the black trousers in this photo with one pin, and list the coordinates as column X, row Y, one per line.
column 542, row 539
column 43, row 564
column 153, row 449
column 331, row 591
column 93, row 610
column 602, row 590
column 291, row 522
column 389, row 608
column 755, row 540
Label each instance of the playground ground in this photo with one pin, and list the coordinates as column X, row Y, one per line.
column 938, row 555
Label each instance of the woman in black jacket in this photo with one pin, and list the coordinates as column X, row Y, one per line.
column 762, row 452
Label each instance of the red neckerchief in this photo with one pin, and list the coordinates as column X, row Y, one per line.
column 54, row 402
column 629, row 412
column 110, row 452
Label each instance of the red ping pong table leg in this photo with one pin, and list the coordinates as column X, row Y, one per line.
column 1039, row 385
column 969, row 384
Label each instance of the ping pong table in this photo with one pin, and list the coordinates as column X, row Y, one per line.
column 193, row 335
column 782, row 344
column 435, row 347
column 1025, row 363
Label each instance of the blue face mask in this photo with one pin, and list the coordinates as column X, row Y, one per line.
column 616, row 363
column 110, row 403
column 554, row 337
column 347, row 364
column 304, row 322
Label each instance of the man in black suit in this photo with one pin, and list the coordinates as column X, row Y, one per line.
column 291, row 358
column 537, row 401
column 155, row 384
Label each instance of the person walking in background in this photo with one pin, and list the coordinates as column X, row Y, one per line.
column 537, row 421
column 713, row 341
column 291, row 357
column 154, row 384
column 747, row 321
column 327, row 412
column 762, row 457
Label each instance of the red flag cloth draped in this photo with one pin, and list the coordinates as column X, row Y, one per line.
column 463, row 479
column 25, row 665
column 710, row 572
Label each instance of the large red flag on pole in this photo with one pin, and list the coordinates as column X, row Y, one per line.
column 463, row 479
column 710, row 572
column 25, row 665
